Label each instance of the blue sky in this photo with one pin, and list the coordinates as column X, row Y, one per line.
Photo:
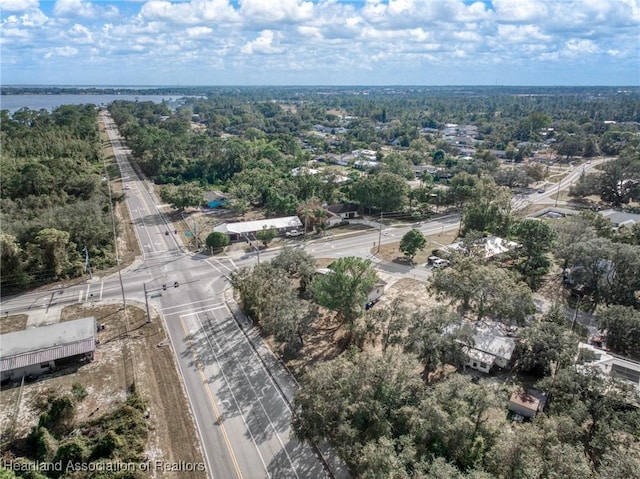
column 320, row 42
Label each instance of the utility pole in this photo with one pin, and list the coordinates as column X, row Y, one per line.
column 87, row 263
column 195, row 232
column 115, row 236
column 146, row 302
column 558, row 193
column 380, row 233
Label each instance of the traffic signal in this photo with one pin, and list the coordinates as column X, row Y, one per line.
column 164, row 286
column 176, row 284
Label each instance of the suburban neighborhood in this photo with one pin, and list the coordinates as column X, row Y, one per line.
column 351, row 282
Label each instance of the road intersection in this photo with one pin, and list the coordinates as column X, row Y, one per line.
column 239, row 393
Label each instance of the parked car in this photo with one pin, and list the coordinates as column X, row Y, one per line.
column 431, row 259
column 293, row 233
column 441, row 263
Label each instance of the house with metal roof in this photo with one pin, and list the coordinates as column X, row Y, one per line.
column 621, row 218
column 34, row 351
column 247, row 229
column 491, row 347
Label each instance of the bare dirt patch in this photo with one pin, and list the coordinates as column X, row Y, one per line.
column 391, row 251
column 12, row 323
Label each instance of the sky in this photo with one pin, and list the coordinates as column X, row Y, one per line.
column 320, row 42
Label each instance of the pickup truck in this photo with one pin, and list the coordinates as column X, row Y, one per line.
column 293, row 233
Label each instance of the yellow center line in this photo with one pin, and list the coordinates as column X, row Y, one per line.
column 212, row 401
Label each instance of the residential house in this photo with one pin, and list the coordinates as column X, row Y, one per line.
column 244, row 230
column 341, row 212
column 621, row 218
column 491, row 347
column 623, row 368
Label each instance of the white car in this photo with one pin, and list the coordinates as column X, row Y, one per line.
column 441, row 263
column 293, row 233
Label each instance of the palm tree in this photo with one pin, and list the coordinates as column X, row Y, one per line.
column 312, row 214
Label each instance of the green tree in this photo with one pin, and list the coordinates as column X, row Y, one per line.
column 437, row 338
column 266, row 235
column 345, row 289
column 217, row 240
column 183, row 196
column 412, row 242
column 535, row 239
column 485, row 290
column 621, row 327
column 544, row 347
column 54, row 252
column 381, row 192
column 356, row 400
column 489, row 209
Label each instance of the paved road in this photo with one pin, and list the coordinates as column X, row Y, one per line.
column 239, row 393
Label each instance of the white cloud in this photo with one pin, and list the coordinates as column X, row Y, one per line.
column 80, row 34
column 343, row 37
column 262, row 44
column 521, row 34
column 276, row 10
column 520, row 10
column 196, row 32
column 576, row 47
column 73, row 8
column 194, row 12
column 61, row 52
column 18, row 5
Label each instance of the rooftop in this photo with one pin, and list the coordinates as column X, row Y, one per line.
column 47, row 343
column 244, row 227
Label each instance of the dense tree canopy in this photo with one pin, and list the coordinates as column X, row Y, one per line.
column 53, row 200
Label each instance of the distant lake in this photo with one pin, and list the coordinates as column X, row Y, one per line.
column 48, row 102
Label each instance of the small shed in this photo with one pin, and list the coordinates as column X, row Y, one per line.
column 34, row 351
column 215, row 199
column 527, row 404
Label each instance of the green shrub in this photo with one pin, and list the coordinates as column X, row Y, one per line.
column 106, row 445
column 73, row 450
column 59, row 417
column 43, row 443
column 78, row 391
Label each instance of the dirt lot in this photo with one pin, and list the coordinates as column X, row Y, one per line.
column 145, row 358
column 391, row 251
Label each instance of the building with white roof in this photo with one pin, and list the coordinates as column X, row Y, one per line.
column 34, row 351
column 247, row 229
column 489, row 348
column 623, row 368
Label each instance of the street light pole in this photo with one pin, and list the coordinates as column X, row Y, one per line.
column 146, row 301
column 380, row 233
